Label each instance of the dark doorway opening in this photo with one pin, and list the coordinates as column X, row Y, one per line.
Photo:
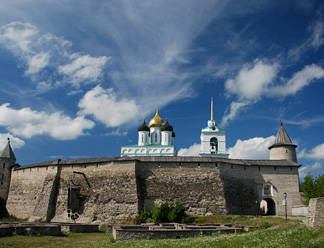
column 271, row 206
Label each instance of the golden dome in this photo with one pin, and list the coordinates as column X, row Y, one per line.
column 156, row 121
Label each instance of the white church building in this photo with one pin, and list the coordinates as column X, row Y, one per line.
column 157, row 139
column 154, row 139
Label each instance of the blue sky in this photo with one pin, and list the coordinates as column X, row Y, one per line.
column 78, row 77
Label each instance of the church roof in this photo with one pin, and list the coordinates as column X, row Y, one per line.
column 143, row 127
column 282, row 138
column 156, row 121
column 167, row 127
column 8, row 152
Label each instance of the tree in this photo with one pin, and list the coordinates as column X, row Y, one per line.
column 312, row 188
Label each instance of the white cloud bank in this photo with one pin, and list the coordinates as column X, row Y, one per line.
column 27, row 123
column 254, row 148
column 317, row 153
column 104, row 106
column 44, row 56
column 193, row 150
column 257, row 79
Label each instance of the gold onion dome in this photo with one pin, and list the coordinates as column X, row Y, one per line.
column 156, row 121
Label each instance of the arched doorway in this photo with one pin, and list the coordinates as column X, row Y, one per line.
column 270, row 206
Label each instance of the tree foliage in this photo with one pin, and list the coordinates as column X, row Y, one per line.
column 312, row 188
column 163, row 213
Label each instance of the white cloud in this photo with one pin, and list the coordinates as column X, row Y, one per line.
column 317, row 37
column 316, row 153
column 27, row 123
column 254, row 148
column 37, row 62
column 15, row 142
column 300, row 79
column 253, row 80
column 18, row 37
column 232, row 111
column 257, row 79
column 44, row 56
column 83, row 69
column 44, row 86
column 313, row 169
column 104, row 106
column 193, row 150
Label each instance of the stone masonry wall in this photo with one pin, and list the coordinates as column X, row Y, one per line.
column 120, row 188
column 107, row 191
column 199, row 186
column 315, row 217
column 28, row 189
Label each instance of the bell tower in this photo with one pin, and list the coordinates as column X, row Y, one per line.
column 213, row 138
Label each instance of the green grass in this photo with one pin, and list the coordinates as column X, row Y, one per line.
column 273, row 232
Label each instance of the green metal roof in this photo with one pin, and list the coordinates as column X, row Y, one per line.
column 8, row 152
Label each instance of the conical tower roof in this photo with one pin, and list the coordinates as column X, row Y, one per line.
column 8, row 152
column 282, row 138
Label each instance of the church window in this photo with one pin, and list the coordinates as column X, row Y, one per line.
column 155, row 137
column 142, row 138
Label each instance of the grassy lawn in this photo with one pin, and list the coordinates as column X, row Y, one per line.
column 273, row 232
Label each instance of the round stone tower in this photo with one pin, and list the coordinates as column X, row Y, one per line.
column 283, row 148
column 7, row 161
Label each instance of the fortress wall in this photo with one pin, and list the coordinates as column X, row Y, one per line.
column 283, row 179
column 107, row 190
column 27, row 186
column 217, row 188
column 119, row 189
column 199, row 188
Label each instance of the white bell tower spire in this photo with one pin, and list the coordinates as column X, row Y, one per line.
column 213, row 138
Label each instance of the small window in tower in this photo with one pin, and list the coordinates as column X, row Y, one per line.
column 4, row 165
column 286, row 151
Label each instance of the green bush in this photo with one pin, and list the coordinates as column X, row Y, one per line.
column 161, row 214
column 177, row 213
column 164, row 213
